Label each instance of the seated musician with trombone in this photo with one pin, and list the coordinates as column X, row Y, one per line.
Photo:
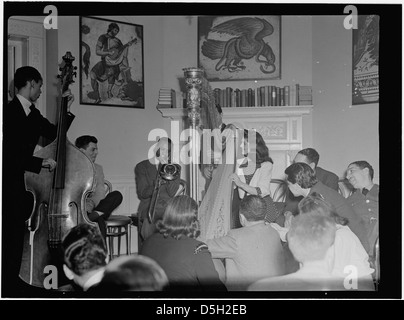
column 157, row 181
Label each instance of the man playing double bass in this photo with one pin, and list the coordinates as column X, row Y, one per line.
column 22, row 127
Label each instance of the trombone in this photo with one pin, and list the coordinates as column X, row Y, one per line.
column 167, row 172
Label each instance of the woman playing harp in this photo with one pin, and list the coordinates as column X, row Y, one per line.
column 218, row 160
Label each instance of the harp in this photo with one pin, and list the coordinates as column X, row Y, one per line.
column 215, row 207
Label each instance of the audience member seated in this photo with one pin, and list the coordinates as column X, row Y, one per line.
column 251, row 252
column 311, row 157
column 347, row 254
column 302, row 181
column 132, row 273
column 186, row 261
column 365, row 200
column 310, row 237
column 99, row 206
column 347, row 250
column 85, row 255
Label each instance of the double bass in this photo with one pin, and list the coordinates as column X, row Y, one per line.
column 59, row 196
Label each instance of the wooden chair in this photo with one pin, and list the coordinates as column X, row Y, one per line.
column 117, row 227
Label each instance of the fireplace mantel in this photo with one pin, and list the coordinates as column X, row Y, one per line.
column 243, row 113
column 281, row 127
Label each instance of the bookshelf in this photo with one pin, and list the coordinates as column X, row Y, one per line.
column 264, row 96
column 269, row 96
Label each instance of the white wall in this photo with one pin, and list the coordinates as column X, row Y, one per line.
column 342, row 133
column 170, row 44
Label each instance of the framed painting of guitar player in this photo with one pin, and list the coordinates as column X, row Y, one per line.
column 111, row 63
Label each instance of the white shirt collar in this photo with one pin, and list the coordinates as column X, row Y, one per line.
column 25, row 103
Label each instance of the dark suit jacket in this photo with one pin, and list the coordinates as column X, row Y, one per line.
column 146, row 178
column 186, row 261
column 344, row 209
column 325, row 177
column 20, row 137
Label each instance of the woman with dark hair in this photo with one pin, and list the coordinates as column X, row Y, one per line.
column 253, row 173
column 186, row 261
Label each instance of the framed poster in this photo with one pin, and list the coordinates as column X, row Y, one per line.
column 240, row 47
column 365, row 64
column 111, row 63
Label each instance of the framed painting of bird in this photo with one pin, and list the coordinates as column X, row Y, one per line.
column 240, row 47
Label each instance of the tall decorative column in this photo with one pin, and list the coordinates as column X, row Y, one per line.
column 193, row 82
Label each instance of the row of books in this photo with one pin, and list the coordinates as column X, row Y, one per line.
column 264, row 96
column 167, row 98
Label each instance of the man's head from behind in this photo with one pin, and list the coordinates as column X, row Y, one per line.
column 360, row 174
column 310, row 236
column 309, row 156
column 133, row 273
column 88, row 145
column 84, row 250
column 252, row 208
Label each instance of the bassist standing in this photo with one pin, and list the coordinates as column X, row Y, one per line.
column 23, row 125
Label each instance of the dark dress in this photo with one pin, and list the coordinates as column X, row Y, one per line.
column 187, row 263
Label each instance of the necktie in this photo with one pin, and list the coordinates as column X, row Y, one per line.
column 32, row 109
column 365, row 191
